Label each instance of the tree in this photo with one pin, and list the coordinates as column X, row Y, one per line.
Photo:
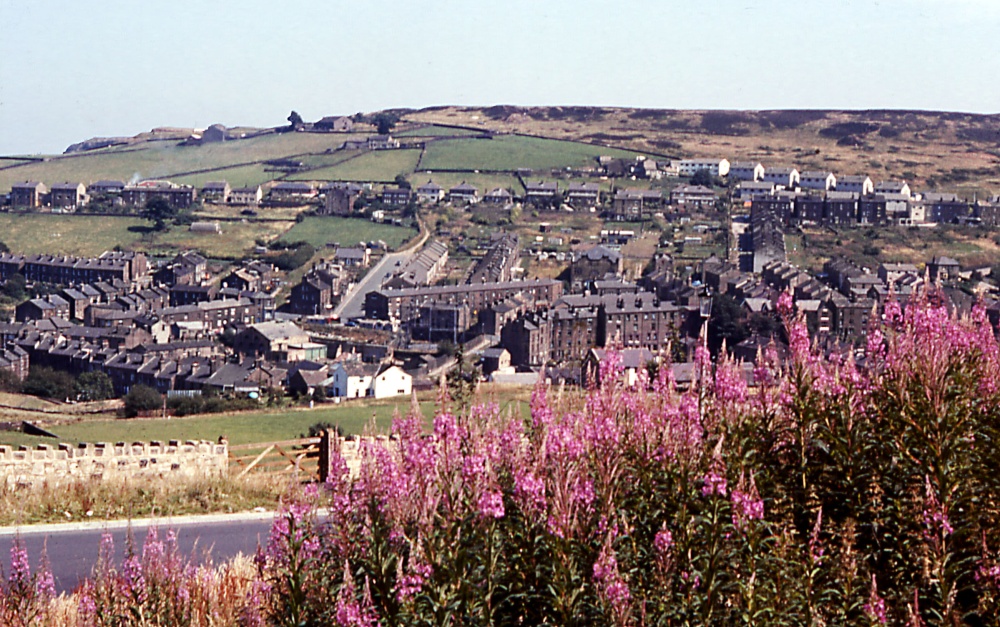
column 703, row 177
column 49, row 383
column 385, row 122
column 401, row 182
column 94, row 386
column 726, row 323
column 14, row 288
column 9, row 381
column 296, row 120
column 141, row 398
column 158, row 211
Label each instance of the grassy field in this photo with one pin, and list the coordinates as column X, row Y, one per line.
column 240, row 176
column 236, row 239
column 257, row 426
column 484, row 182
column 164, row 159
column 508, row 152
column 379, row 165
column 68, row 234
column 320, row 230
column 92, row 235
column 436, row 131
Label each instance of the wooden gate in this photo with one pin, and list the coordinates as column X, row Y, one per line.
column 305, row 458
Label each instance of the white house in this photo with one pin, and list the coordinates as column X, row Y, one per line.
column 784, row 177
column 746, row 171
column 859, row 184
column 715, row 167
column 357, row 380
column 893, row 187
column 824, row 181
column 430, row 192
column 246, row 195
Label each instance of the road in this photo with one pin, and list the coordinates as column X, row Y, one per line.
column 73, row 553
column 352, row 305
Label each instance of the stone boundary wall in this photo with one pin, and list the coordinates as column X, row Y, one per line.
column 25, row 467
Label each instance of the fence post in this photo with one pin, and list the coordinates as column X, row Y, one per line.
column 325, row 442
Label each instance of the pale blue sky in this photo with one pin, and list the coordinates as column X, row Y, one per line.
column 72, row 70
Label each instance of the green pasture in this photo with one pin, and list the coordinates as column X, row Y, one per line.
column 35, row 233
column 320, row 230
column 239, row 176
column 236, row 240
column 266, row 425
column 510, row 152
column 164, row 159
column 484, row 182
column 379, row 165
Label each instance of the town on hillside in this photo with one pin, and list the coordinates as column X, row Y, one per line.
column 535, row 280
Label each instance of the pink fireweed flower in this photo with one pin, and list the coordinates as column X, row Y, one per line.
column 815, row 542
column 491, row 505
column 612, row 588
column 663, row 541
column 20, row 569
column 350, row 611
column 730, row 386
column 45, row 586
column 875, row 607
column 747, row 504
column 133, row 579
column 935, row 515
column 409, row 583
column 529, row 492
column 713, row 483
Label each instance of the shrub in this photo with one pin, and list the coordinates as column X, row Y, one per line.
column 141, row 398
column 49, row 383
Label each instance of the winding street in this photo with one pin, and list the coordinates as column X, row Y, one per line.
column 352, row 305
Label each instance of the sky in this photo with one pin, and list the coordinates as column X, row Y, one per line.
column 74, row 70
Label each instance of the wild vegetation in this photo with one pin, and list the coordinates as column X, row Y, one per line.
column 833, row 492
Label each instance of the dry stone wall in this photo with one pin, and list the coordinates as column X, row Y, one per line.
column 25, row 467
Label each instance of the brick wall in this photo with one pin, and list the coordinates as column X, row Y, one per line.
column 23, row 466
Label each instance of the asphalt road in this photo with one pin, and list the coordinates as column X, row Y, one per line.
column 73, row 553
column 353, row 303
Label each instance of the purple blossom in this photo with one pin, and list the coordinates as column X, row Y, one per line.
column 663, row 541
column 815, row 543
column 747, row 504
column 875, row 607
column 529, row 491
column 713, row 483
column 20, row 569
column 491, row 505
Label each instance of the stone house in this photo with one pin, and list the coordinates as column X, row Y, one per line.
column 68, row 196
column 27, row 194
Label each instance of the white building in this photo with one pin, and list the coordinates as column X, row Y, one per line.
column 246, row 195
column 859, row 184
column 746, row 171
column 715, row 167
column 357, row 380
column 893, row 187
column 824, row 181
column 786, row 178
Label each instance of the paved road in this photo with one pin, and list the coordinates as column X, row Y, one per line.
column 352, row 305
column 73, row 553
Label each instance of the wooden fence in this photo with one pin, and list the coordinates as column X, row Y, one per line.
column 307, row 459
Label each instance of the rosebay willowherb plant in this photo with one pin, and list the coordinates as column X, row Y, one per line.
column 830, row 492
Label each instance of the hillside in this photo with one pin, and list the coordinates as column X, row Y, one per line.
column 949, row 151
column 932, row 150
